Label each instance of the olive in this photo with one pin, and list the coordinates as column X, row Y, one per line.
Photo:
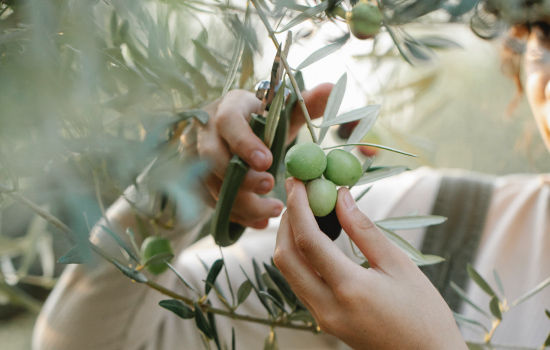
column 321, row 195
column 364, row 20
column 343, row 168
column 330, row 225
column 306, row 161
column 154, row 245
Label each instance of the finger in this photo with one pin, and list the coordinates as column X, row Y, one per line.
column 232, row 124
column 376, row 247
column 315, row 101
column 323, row 255
column 308, row 286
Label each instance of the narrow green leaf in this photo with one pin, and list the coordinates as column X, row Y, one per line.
column 411, row 222
column 475, row 346
column 133, row 274
column 428, row 259
column 360, row 195
column 380, row 174
column 499, row 282
column 237, row 55
column 113, row 25
column 323, row 52
column 304, row 16
column 476, row 277
column 303, row 316
column 418, row 51
column 212, row 322
column 333, row 103
column 199, row 114
column 494, row 306
column 281, row 283
column 260, row 296
column 178, row 307
column 202, row 323
column 275, row 298
column 233, row 339
column 212, row 275
column 532, row 292
column 181, row 278
column 121, row 243
column 461, row 319
column 72, row 256
column 411, row 251
column 209, row 58
column 547, row 341
column 203, row 38
column 438, row 42
column 270, row 342
column 359, row 132
column 158, row 258
column 244, row 291
column 348, row 146
column 132, row 237
column 464, row 296
column 258, row 275
column 371, row 111
column 273, row 115
column 403, row 51
column 547, row 313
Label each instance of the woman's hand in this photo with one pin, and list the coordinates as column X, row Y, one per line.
column 227, row 132
column 392, row 305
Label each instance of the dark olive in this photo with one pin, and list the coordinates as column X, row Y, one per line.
column 330, row 225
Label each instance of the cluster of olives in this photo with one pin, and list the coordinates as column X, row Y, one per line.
column 364, row 20
column 308, row 162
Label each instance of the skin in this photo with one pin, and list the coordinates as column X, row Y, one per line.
column 390, row 306
column 228, row 133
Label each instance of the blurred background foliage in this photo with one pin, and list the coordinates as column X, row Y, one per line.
column 91, row 90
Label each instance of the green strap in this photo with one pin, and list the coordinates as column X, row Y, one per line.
column 464, row 201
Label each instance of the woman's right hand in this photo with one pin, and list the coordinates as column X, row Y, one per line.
column 392, row 305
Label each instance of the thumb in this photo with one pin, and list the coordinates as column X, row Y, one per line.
column 377, row 248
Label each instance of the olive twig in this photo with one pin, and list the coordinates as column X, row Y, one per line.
column 287, row 69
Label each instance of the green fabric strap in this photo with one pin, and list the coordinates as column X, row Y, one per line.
column 464, row 200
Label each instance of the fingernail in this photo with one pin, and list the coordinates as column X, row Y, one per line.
column 258, row 159
column 264, row 187
column 276, row 212
column 288, row 186
column 349, row 202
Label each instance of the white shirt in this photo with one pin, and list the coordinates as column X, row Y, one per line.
column 99, row 308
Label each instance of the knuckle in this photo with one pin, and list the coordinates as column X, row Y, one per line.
column 304, row 242
column 328, row 322
column 221, row 120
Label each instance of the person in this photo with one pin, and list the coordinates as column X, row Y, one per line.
column 389, row 306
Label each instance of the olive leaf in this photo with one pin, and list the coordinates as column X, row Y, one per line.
column 121, row 244
column 178, row 307
column 476, row 277
column 437, row 42
column 72, row 256
column 362, row 193
column 304, row 16
column 419, row 258
column 158, row 258
column 181, row 278
column 281, row 283
column 208, row 57
column 494, row 306
column 274, row 297
column 499, row 283
column 532, row 292
column 202, row 322
column 237, row 55
column 212, row 275
column 274, row 115
column 244, row 291
column 212, row 322
column 260, row 296
column 199, row 114
column 411, row 222
column 379, row 174
column 462, row 319
column 333, row 103
column 367, row 112
column 464, row 296
column 323, row 52
column 133, row 274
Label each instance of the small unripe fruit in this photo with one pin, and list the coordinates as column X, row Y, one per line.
column 364, row 20
column 306, row 161
column 321, row 195
column 343, row 168
column 154, row 245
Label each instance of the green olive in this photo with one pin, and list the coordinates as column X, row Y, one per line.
column 321, row 195
column 306, row 161
column 364, row 20
column 343, row 168
column 154, row 245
